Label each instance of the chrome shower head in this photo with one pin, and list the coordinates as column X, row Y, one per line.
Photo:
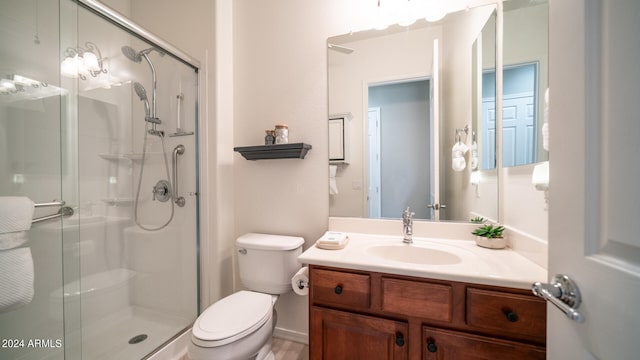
column 131, row 54
column 142, row 94
column 137, row 56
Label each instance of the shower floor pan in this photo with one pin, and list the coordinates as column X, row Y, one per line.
column 108, row 339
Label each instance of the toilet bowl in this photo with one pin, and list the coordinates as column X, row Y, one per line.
column 236, row 327
column 240, row 326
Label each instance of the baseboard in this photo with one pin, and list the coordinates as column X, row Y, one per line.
column 292, row 335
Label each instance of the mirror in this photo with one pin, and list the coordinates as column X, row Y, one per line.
column 484, row 174
column 408, row 93
column 525, row 81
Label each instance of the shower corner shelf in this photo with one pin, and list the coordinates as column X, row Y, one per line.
column 121, row 156
column 276, row 151
column 118, row 201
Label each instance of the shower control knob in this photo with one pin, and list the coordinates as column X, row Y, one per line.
column 161, row 191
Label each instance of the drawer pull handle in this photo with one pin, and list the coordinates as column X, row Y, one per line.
column 338, row 290
column 432, row 347
column 399, row 339
column 511, row 316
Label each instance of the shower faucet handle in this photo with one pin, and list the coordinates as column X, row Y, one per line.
column 161, row 191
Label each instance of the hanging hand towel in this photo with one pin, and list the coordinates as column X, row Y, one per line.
column 16, row 215
column 16, row 278
column 474, row 156
column 333, row 186
column 458, row 163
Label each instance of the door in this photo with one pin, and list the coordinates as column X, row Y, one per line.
column 594, row 200
column 518, row 124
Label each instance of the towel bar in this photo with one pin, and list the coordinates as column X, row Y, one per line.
column 64, row 211
column 53, row 203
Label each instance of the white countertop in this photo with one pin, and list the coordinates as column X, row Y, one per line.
column 468, row 262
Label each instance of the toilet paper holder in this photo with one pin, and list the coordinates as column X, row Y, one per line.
column 301, row 284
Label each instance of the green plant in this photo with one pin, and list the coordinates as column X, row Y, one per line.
column 478, row 220
column 489, row 231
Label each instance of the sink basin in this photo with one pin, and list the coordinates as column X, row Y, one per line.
column 413, row 254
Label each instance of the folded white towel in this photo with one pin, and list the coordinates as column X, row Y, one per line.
column 13, row 240
column 16, row 278
column 16, row 213
column 458, row 162
column 333, row 240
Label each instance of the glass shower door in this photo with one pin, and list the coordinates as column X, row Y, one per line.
column 137, row 217
column 95, row 116
column 34, row 113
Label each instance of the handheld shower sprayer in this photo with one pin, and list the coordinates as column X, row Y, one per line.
column 142, row 94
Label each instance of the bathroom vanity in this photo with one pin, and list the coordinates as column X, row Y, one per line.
column 371, row 304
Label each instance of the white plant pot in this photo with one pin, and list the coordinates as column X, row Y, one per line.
column 491, row 243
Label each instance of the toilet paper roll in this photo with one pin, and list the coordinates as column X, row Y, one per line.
column 300, row 281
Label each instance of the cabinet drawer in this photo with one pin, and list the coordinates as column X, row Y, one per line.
column 511, row 314
column 340, row 288
column 416, row 298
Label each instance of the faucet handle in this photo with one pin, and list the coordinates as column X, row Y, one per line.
column 407, row 213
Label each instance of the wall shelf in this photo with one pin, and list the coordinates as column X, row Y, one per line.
column 276, row 151
column 121, row 156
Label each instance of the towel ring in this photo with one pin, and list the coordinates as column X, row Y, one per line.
column 464, row 130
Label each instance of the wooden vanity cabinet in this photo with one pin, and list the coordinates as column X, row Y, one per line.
column 370, row 315
column 345, row 335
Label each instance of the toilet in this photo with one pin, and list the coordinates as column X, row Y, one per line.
column 240, row 326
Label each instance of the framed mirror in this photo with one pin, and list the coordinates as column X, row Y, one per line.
column 409, row 93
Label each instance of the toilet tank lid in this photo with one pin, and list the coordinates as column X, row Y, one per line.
column 269, row 242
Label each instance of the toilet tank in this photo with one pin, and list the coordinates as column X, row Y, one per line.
column 268, row 262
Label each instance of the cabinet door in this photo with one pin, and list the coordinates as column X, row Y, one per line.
column 440, row 344
column 339, row 335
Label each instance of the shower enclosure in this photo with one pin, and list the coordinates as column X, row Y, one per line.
column 98, row 113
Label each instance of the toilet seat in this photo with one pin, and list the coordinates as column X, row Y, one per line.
column 232, row 318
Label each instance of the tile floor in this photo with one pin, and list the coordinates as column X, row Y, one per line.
column 289, row 350
column 285, row 350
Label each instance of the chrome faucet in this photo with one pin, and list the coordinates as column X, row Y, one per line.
column 407, row 223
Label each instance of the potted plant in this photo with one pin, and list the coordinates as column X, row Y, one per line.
column 490, row 236
column 478, row 220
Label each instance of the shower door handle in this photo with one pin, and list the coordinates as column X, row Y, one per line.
column 179, row 150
